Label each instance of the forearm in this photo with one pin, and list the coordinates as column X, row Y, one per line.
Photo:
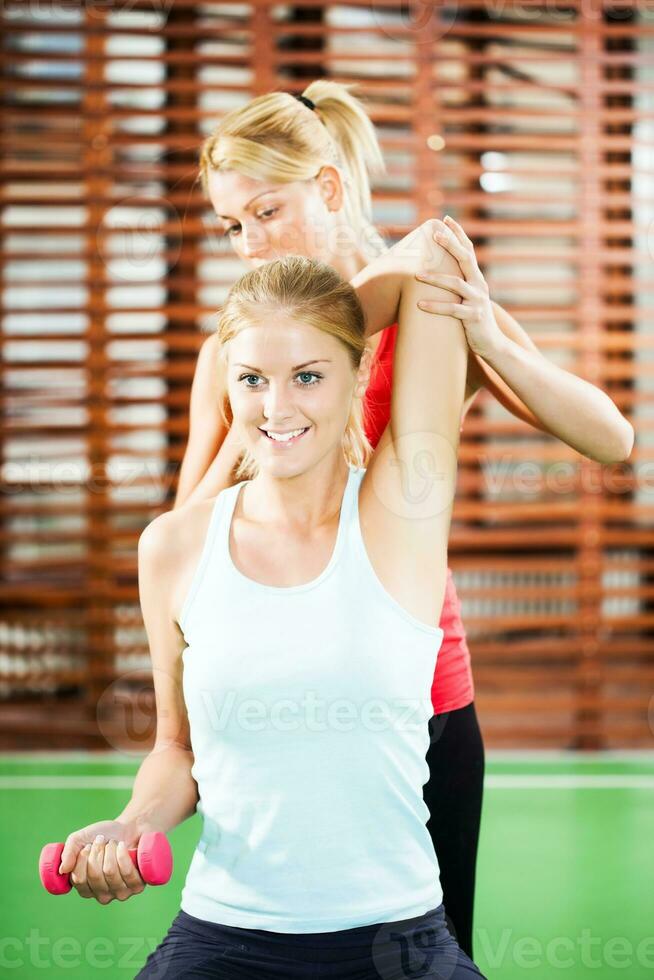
column 574, row 410
column 510, row 326
column 165, row 793
column 220, row 474
column 208, row 427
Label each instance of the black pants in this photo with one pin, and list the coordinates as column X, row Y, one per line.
column 453, row 795
column 420, row 948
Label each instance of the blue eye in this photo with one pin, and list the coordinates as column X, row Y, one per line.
column 309, row 374
column 301, row 374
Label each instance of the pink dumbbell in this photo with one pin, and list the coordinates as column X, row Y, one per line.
column 153, row 859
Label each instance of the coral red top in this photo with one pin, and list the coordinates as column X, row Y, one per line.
column 453, row 686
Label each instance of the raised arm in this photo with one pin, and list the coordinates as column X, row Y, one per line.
column 507, row 362
column 408, row 490
column 575, row 411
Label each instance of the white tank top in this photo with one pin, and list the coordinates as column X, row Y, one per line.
column 308, row 708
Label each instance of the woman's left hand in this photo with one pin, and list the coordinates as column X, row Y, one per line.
column 475, row 309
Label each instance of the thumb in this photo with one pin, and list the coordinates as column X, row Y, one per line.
column 72, row 847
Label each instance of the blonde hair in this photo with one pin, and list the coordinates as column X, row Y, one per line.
column 312, row 292
column 276, row 137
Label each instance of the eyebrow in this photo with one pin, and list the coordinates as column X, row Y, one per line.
column 297, row 367
column 250, row 202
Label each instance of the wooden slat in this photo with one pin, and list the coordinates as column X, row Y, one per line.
column 547, row 165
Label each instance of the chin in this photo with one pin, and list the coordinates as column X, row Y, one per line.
column 285, row 469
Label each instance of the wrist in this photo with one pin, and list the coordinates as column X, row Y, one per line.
column 137, row 824
column 496, row 350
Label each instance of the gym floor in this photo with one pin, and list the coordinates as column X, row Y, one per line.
column 565, row 871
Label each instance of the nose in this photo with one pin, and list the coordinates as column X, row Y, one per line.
column 277, row 404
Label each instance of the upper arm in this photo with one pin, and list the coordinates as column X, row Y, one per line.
column 408, row 490
column 157, row 561
column 429, row 367
column 207, row 427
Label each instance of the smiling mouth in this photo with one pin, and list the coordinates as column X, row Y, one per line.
column 285, row 441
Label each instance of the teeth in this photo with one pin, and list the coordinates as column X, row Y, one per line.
column 279, row 437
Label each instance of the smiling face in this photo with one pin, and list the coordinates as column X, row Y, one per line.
column 290, row 378
column 264, row 220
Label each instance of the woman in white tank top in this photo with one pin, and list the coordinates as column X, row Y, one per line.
column 304, row 596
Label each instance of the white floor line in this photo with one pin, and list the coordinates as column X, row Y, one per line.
column 577, row 781
column 66, row 782
column 573, row 755
column 37, row 755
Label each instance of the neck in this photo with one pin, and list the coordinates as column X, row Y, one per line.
column 300, row 503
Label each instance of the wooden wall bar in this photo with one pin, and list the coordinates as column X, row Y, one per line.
column 112, row 269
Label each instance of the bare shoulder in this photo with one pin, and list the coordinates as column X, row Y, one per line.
column 210, row 347
column 169, row 550
column 208, row 360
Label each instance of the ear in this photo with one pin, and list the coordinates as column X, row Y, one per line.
column 330, row 185
column 363, row 373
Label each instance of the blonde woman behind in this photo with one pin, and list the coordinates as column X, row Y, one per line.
column 292, row 175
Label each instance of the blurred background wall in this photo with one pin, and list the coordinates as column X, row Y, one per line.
column 531, row 123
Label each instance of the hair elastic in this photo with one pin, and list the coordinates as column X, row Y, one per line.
column 307, row 102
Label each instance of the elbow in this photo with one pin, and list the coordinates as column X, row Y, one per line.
column 432, row 256
column 629, row 439
column 618, row 448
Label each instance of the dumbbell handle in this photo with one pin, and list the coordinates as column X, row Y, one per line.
column 153, row 859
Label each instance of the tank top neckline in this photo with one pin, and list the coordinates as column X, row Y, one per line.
column 303, row 586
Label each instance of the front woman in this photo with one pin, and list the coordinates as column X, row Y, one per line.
column 289, row 622
column 306, row 596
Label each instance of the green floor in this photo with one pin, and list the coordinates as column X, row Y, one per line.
column 565, row 873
